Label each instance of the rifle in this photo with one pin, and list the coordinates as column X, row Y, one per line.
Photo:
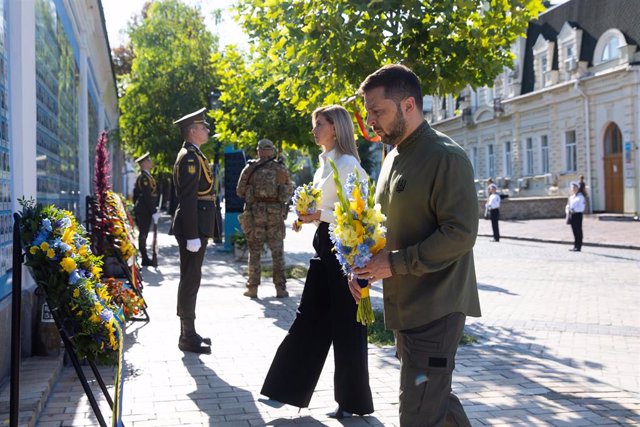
column 154, row 257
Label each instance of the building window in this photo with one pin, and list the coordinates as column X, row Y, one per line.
column 6, row 198
column 608, row 46
column 544, row 148
column 528, row 156
column 474, row 161
column 508, row 166
column 571, row 155
column 57, row 88
column 569, row 51
column 611, row 50
column 491, row 161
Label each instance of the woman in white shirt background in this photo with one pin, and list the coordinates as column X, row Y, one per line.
column 575, row 211
column 327, row 312
column 493, row 208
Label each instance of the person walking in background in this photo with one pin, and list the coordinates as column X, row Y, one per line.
column 145, row 198
column 426, row 189
column 192, row 224
column 327, row 313
column 493, row 208
column 266, row 186
column 575, row 211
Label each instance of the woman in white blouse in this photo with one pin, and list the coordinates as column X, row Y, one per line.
column 575, row 211
column 327, row 312
column 492, row 207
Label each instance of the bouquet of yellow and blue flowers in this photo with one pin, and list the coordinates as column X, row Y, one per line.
column 119, row 227
column 358, row 233
column 305, row 200
column 59, row 256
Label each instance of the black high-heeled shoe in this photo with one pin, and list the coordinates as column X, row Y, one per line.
column 340, row 413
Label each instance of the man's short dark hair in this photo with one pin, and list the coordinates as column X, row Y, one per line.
column 398, row 81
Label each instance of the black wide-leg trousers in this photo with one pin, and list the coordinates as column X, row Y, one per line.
column 326, row 315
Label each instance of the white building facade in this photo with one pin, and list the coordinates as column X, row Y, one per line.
column 569, row 107
column 57, row 92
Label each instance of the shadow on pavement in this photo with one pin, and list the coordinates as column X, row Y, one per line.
column 151, row 276
column 272, row 309
column 539, row 386
column 211, row 391
column 492, row 288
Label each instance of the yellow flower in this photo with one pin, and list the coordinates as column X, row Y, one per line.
column 357, row 226
column 51, row 253
column 33, row 250
column 68, row 264
column 83, row 250
column 96, row 271
column 44, row 246
column 76, row 293
column 357, row 204
column 67, row 236
column 378, row 245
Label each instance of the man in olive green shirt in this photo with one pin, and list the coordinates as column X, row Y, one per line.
column 426, row 189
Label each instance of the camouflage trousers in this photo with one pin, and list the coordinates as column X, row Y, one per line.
column 274, row 240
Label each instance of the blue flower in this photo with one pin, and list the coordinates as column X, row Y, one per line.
column 64, row 247
column 40, row 237
column 106, row 314
column 46, row 225
column 74, row 277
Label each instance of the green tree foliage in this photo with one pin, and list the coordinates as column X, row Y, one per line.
column 171, row 75
column 252, row 108
column 320, row 50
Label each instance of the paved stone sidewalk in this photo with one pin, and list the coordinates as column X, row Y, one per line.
column 505, row 380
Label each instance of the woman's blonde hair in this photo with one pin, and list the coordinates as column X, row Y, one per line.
column 339, row 117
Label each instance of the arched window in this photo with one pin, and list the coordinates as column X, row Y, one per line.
column 612, row 140
column 608, row 46
column 611, row 50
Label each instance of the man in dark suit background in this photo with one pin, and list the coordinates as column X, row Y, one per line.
column 193, row 223
column 145, row 197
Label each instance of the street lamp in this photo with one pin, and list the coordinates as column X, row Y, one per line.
column 214, row 104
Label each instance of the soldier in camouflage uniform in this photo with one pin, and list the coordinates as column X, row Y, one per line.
column 266, row 186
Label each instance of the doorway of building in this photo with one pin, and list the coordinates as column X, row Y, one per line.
column 613, row 173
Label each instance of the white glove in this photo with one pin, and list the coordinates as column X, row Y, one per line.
column 193, row 245
column 155, row 217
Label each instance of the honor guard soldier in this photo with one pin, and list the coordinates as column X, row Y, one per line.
column 192, row 223
column 145, row 198
column 266, row 186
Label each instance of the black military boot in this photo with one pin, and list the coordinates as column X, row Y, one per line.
column 190, row 340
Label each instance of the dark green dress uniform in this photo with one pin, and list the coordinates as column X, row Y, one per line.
column 145, row 196
column 193, row 219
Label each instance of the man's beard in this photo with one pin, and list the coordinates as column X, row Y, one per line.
column 398, row 128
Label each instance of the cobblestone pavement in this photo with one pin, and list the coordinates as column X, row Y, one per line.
column 558, row 345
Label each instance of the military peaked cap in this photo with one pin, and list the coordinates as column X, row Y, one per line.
column 143, row 157
column 192, row 118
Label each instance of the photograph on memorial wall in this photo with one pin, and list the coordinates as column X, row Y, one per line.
column 57, row 87
column 6, row 200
